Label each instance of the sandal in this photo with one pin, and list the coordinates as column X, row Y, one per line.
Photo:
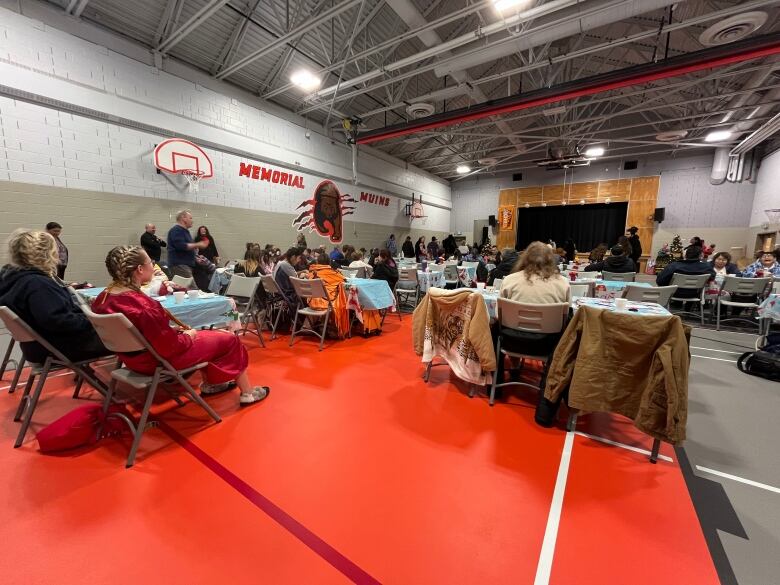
column 258, row 394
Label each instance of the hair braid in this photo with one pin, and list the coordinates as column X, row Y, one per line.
column 121, row 262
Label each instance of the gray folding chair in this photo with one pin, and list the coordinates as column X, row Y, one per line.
column 735, row 285
column 22, row 333
column 582, row 289
column 349, row 272
column 465, row 264
column 311, row 289
column 7, row 359
column 274, row 301
column 187, row 283
column 407, row 287
column 498, row 282
column 545, row 319
column 121, row 336
column 451, row 275
column 651, row 294
column 695, row 282
column 618, row 276
column 242, row 290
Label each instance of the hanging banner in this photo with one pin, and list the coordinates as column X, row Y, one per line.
column 325, row 212
column 506, row 217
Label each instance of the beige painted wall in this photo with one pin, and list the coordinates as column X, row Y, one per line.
column 94, row 222
column 724, row 238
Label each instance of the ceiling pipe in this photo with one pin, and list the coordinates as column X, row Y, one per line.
column 745, row 50
column 579, row 19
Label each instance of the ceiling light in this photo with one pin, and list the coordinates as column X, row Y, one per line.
column 502, row 5
column 544, row 204
column 671, row 135
column 563, row 202
column 717, row 136
column 463, row 169
column 305, row 79
column 582, row 202
column 594, row 151
column 527, row 205
column 607, row 200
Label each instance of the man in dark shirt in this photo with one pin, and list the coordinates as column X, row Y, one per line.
column 615, row 262
column 692, row 264
column 181, row 248
column 151, row 243
column 636, row 244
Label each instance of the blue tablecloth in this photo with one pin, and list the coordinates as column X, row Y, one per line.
column 372, row 293
column 197, row 313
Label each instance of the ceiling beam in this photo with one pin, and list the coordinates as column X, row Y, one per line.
column 292, row 35
column 236, row 38
column 197, row 19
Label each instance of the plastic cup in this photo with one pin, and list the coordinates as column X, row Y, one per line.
column 573, row 276
column 193, row 294
column 178, row 297
column 621, row 304
column 480, row 286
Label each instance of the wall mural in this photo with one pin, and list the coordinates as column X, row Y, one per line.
column 325, row 213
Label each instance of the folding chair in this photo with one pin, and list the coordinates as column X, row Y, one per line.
column 120, row 335
column 581, row 289
column 618, row 276
column 735, row 285
column 469, row 264
column 407, row 286
column 311, row 289
column 187, row 283
column 692, row 282
column 652, row 294
column 22, row 333
column 242, row 290
column 273, row 303
column 18, row 365
column 451, row 275
column 497, row 283
column 348, row 272
column 542, row 324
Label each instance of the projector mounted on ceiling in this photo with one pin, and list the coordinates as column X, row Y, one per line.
column 563, row 161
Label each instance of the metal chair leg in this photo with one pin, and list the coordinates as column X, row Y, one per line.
column 717, row 317
column 7, row 357
column 139, row 431
column 324, row 329
column 571, row 424
column 259, row 329
column 17, row 375
column 78, row 386
column 33, row 403
column 198, row 399
column 294, row 325
column 25, row 397
column 654, row 452
column 500, row 368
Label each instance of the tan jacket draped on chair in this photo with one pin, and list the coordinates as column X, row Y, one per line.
column 632, row 365
column 455, row 325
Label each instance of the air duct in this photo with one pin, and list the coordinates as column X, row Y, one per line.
column 720, row 165
column 584, row 17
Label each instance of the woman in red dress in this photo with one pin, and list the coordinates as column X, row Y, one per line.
column 130, row 267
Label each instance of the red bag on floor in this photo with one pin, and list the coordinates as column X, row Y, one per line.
column 78, row 428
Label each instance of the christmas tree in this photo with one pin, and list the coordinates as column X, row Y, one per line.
column 676, row 247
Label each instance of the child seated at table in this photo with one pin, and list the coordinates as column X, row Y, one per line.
column 130, row 267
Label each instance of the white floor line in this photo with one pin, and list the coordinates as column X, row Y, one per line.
column 622, row 445
column 720, row 350
column 544, row 568
column 763, row 486
column 704, row 357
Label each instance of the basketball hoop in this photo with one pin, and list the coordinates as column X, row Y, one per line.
column 773, row 215
column 415, row 210
column 193, row 178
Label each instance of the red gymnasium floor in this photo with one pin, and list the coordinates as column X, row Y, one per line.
column 353, row 470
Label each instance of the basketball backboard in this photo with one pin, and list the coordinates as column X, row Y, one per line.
column 182, row 156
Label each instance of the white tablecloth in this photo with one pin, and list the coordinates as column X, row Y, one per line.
column 430, row 279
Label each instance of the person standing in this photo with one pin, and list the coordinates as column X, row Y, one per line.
column 55, row 230
column 181, row 248
column 636, row 244
column 210, row 251
column 433, row 249
column 408, row 248
column 419, row 249
column 391, row 245
column 151, row 243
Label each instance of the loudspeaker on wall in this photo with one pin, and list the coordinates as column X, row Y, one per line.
column 659, row 214
column 492, row 220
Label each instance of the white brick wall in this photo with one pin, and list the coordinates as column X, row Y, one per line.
column 43, row 146
column 767, row 192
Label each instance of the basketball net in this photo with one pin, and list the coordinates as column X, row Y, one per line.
column 193, row 178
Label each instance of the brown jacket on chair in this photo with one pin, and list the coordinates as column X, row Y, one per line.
column 455, row 325
column 632, row 365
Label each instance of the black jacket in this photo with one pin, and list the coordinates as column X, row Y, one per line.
column 620, row 264
column 383, row 271
column 504, row 268
column 636, row 248
column 408, row 249
column 730, row 268
column 50, row 310
column 694, row 266
column 153, row 245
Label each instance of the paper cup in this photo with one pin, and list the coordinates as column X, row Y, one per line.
column 480, row 286
column 178, row 297
column 621, row 304
column 193, row 294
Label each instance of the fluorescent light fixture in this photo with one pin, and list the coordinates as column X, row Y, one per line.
column 594, row 151
column 463, row 169
column 305, row 79
column 502, row 5
column 717, row 136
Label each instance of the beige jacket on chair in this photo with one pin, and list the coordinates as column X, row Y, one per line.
column 455, row 326
column 632, row 365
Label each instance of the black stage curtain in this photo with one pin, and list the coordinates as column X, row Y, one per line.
column 587, row 225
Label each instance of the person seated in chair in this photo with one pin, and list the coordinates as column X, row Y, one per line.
column 617, row 261
column 357, row 262
column 130, row 268
column 386, row 269
column 765, row 265
column 504, row 267
column 30, row 288
column 692, row 265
